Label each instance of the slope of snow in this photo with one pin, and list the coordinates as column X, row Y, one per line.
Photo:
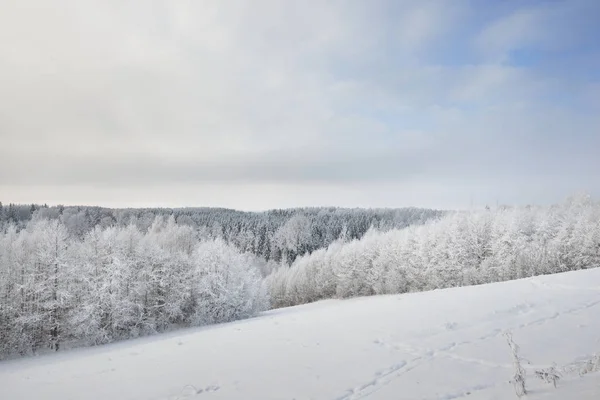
column 445, row 344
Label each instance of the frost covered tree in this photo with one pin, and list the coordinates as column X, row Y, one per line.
column 54, row 269
column 223, row 287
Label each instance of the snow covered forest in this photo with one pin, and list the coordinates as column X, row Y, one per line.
column 272, row 235
column 462, row 248
column 87, row 276
column 117, row 283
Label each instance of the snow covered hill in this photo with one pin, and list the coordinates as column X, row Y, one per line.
column 445, row 344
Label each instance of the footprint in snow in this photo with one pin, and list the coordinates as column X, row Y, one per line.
column 212, row 388
column 450, row 326
column 191, row 390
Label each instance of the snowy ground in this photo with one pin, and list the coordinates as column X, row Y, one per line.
column 444, row 344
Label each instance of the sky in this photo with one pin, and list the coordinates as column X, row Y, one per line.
column 261, row 104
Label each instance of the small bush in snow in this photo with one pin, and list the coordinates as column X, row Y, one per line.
column 520, row 374
column 548, row 375
column 592, row 365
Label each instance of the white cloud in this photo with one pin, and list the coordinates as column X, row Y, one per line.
column 521, row 29
column 550, row 26
column 274, row 95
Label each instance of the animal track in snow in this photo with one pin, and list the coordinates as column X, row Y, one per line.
column 189, row 391
column 381, row 378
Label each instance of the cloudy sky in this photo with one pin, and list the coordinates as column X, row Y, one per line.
column 259, row 104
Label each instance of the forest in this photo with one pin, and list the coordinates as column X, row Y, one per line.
column 462, row 248
column 84, row 276
column 273, row 235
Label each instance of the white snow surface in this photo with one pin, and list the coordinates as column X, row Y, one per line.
column 445, row 344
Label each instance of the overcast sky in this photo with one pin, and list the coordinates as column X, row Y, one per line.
column 260, row 104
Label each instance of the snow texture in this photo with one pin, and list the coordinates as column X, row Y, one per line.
column 443, row 344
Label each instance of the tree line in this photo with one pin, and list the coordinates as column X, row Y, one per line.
column 461, row 248
column 274, row 235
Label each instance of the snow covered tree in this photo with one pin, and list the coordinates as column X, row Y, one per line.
column 223, row 287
